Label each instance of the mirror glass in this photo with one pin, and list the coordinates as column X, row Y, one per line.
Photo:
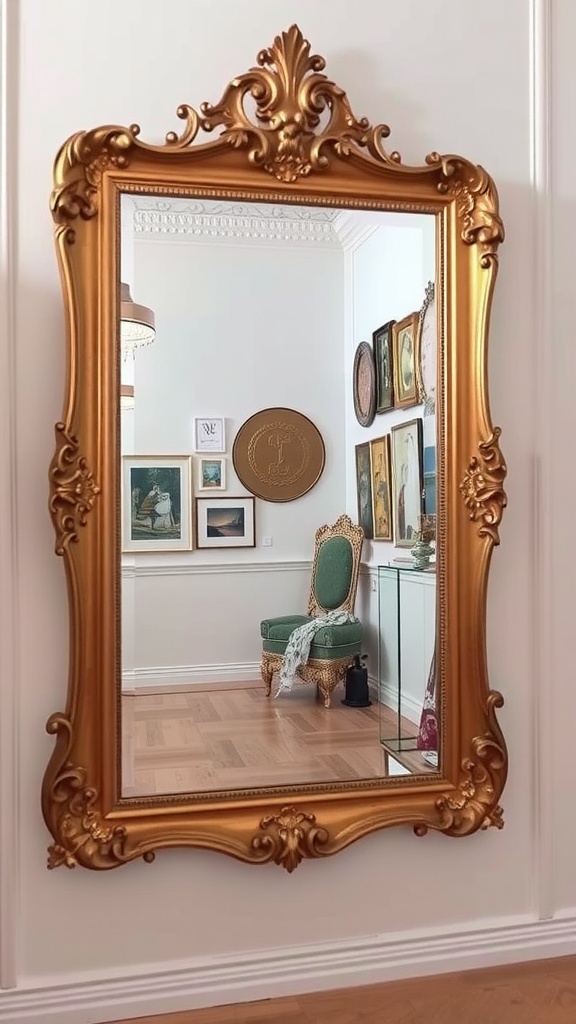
column 249, row 307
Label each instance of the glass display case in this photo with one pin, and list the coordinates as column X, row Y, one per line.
column 407, row 668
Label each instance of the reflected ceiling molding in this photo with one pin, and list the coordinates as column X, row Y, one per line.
column 206, row 218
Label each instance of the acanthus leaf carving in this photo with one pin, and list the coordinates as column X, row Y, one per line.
column 474, row 805
column 290, row 94
column 289, row 836
column 78, row 170
column 71, row 812
column 476, row 202
column 482, row 486
column 73, row 488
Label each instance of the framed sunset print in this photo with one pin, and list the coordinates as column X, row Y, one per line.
column 225, row 523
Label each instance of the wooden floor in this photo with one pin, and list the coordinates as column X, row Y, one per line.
column 543, row 992
column 237, row 738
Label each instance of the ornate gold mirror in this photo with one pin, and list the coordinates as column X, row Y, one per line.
column 276, row 417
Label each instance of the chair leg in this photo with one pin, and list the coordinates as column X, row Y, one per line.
column 266, row 671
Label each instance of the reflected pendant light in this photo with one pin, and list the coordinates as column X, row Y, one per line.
column 137, row 324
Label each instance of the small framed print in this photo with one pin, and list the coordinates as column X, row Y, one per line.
column 156, row 503
column 211, row 474
column 225, row 523
column 407, row 482
column 381, row 487
column 209, row 434
column 404, row 344
column 384, row 362
column 364, row 489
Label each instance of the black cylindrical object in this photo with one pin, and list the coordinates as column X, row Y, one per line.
column 357, row 693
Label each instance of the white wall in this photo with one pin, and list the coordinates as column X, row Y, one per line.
column 447, row 77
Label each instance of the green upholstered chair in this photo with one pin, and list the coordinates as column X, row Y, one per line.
column 335, row 569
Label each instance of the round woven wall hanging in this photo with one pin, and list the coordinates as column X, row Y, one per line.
column 278, row 454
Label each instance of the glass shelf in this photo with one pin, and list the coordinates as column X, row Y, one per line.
column 406, row 683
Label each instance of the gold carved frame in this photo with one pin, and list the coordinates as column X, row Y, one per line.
column 287, row 152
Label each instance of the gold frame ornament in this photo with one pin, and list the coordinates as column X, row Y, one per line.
column 302, row 144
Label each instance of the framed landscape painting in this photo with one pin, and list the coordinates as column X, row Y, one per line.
column 225, row 523
column 156, row 503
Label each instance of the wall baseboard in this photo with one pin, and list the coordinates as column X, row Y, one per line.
column 175, row 677
column 216, row 981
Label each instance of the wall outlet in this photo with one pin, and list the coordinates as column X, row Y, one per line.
column 266, row 542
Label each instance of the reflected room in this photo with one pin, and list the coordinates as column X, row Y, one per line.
column 278, row 406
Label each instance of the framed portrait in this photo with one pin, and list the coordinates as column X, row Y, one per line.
column 211, row 474
column 209, row 434
column 407, row 482
column 427, row 350
column 384, row 363
column 225, row 523
column 364, row 489
column 381, row 488
column 404, row 347
column 156, row 503
column 364, row 384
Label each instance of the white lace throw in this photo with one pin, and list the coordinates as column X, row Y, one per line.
column 300, row 642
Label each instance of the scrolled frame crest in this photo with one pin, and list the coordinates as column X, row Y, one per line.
column 287, row 151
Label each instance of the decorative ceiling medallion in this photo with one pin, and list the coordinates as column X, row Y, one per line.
column 364, row 384
column 278, row 454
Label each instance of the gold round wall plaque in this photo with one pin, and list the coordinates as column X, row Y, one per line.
column 278, row 454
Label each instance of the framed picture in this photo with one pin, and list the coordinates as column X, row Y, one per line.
column 225, row 523
column 381, row 487
column 211, row 474
column 427, row 350
column 209, row 434
column 364, row 489
column 156, row 503
column 407, row 483
column 384, row 363
column 364, row 384
column 404, row 345
column 430, row 480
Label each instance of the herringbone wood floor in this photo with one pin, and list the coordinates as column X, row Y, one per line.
column 543, row 992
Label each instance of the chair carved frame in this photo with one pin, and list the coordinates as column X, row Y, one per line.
column 323, row 673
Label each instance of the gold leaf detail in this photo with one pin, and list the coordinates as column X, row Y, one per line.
column 70, row 809
column 476, row 202
column 78, row 170
column 475, row 803
column 290, row 95
column 293, row 835
column 482, row 487
column 73, row 489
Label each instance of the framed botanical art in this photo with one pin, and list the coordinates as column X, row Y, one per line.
column 404, row 345
column 364, row 489
column 364, row 384
column 381, row 487
column 211, row 474
column 209, row 434
column 384, row 363
column 407, row 482
column 156, row 503
column 225, row 523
